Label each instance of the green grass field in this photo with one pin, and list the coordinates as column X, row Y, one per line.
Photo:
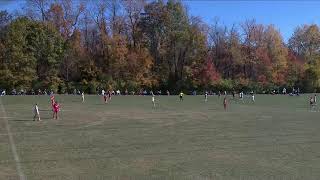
column 275, row 138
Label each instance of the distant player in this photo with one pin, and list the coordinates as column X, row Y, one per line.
column 225, row 103
column 105, row 97
column 311, row 102
column 315, row 99
column 103, row 92
column 181, row 96
column 252, row 96
column 241, row 96
column 153, row 101
column 206, row 96
column 56, row 109
column 82, row 95
column 168, row 92
column 109, row 95
column 36, row 113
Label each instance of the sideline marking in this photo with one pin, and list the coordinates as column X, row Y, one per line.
column 12, row 144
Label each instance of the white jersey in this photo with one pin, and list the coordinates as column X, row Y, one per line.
column 36, row 110
column 103, row 92
column 252, row 97
column 152, row 98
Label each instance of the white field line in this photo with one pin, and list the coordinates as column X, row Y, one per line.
column 12, row 144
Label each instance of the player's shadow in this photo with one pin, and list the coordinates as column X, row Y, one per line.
column 31, row 119
column 22, row 119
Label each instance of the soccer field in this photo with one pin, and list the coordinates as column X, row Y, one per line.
column 275, row 138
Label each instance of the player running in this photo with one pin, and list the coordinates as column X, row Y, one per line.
column 36, row 113
column 56, row 109
column 109, row 95
column 181, row 96
column 105, row 98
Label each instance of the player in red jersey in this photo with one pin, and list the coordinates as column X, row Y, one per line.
column 56, row 109
column 225, row 103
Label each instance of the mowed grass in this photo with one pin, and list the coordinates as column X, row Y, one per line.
column 275, row 138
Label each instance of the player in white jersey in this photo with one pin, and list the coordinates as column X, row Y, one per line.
column 82, row 95
column 36, row 113
column 206, row 96
column 153, row 101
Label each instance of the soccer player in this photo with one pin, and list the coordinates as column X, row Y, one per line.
column 36, row 113
column 153, row 101
column 206, row 96
column 181, row 96
column 105, row 97
column 312, row 104
column 56, row 109
column 109, row 95
column 82, row 95
column 225, row 103
column 315, row 99
column 252, row 97
column 168, row 93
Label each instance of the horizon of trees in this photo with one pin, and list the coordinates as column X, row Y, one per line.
column 138, row 44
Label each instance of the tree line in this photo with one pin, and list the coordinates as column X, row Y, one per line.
column 137, row 44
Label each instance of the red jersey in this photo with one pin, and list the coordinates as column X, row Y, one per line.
column 56, row 107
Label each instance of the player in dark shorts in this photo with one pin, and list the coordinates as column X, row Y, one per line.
column 109, row 95
column 105, row 98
